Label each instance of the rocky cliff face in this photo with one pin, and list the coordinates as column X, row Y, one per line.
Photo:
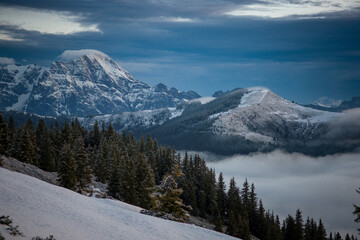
column 91, row 84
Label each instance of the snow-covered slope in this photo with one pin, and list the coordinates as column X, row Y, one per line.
column 42, row 209
column 88, row 84
column 133, row 120
column 263, row 116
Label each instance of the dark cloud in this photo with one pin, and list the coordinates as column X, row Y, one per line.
column 316, row 57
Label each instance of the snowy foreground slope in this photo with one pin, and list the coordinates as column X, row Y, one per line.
column 42, row 209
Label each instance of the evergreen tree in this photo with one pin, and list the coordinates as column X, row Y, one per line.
column 357, row 211
column 101, row 159
column 166, row 196
column 43, row 141
column 145, row 181
column 261, row 221
column 245, row 198
column 337, row 236
column 299, row 231
column 347, row 237
column 114, row 186
column 321, row 232
column 67, row 168
column 244, row 231
column 233, row 228
column 4, row 136
column 233, row 197
column 95, row 134
column 128, row 181
column 83, row 170
column 218, row 222
column 254, row 226
column 221, row 195
column 290, row 228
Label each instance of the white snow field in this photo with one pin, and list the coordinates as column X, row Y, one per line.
column 42, row 209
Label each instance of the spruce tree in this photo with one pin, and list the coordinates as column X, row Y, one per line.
column 233, row 228
column 221, row 195
column 114, row 185
column 299, row 231
column 67, row 168
column 128, row 179
column 245, row 198
column 166, row 196
column 321, row 232
column 145, row 181
column 357, row 211
column 82, row 159
column 4, row 136
column 244, row 229
column 218, row 222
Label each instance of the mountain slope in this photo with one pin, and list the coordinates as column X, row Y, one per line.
column 243, row 121
column 263, row 116
column 42, row 209
column 90, row 84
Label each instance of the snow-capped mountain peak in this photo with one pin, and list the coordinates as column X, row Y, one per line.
column 81, row 82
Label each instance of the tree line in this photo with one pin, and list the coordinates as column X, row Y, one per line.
column 154, row 177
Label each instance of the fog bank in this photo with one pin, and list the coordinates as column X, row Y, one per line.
column 322, row 187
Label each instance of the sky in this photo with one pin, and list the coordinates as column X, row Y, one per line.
column 303, row 50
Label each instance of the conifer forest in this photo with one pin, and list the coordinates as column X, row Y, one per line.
column 156, row 178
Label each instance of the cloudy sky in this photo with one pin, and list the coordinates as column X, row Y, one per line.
column 301, row 49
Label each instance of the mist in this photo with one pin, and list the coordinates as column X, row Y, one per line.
column 321, row 187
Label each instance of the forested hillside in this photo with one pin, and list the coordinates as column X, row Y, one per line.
column 156, row 178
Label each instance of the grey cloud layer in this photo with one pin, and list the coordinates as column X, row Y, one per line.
column 322, row 187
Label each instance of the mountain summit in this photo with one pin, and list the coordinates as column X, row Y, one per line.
column 81, row 83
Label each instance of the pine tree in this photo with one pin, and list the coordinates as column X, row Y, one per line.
column 253, row 211
column 244, row 232
column 261, row 221
column 145, row 181
column 67, row 168
column 4, row 135
column 83, row 170
column 95, row 134
column 233, row 225
column 101, row 158
column 128, row 179
column 299, row 231
column 290, row 228
column 321, row 232
column 337, row 236
column 218, row 222
column 347, row 237
column 233, row 198
column 245, row 198
column 221, row 195
column 357, row 211
column 114, row 186
column 43, row 141
column 166, row 196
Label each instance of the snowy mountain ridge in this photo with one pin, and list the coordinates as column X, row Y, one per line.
column 261, row 113
column 89, row 84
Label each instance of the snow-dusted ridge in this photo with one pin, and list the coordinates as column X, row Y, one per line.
column 261, row 112
column 42, row 209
